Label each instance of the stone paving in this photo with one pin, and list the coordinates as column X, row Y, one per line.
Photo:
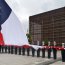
column 58, row 63
column 12, row 59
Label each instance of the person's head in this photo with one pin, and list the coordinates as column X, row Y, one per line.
column 48, row 43
column 54, row 43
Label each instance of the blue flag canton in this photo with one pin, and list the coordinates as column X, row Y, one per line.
column 5, row 11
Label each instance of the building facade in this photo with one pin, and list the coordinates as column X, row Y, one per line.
column 48, row 25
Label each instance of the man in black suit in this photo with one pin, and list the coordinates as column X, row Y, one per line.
column 54, row 50
column 63, row 52
column 49, row 50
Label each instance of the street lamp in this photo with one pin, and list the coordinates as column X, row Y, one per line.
column 53, row 27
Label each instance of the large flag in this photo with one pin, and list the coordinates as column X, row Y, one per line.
column 11, row 31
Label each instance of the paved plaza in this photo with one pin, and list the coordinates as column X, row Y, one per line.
column 58, row 63
column 12, row 59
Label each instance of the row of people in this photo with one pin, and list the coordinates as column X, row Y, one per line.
column 26, row 48
column 55, row 47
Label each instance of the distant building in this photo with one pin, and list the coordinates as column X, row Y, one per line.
column 48, row 25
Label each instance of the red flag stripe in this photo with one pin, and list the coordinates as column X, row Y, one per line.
column 1, row 39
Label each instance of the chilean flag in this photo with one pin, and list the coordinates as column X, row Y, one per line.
column 11, row 32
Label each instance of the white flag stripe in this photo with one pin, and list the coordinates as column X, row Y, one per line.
column 12, row 31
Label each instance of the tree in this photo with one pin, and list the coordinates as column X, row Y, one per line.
column 29, row 36
column 46, row 41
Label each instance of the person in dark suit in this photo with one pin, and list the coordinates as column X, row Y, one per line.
column 63, row 52
column 43, row 49
column 49, row 50
column 54, row 50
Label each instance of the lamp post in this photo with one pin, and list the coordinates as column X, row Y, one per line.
column 53, row 27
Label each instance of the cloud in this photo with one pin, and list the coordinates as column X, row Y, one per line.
column 26, row 8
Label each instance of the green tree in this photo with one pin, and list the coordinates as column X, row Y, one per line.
column 29, row 36
column 46, row 41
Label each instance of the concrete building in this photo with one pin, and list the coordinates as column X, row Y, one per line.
column 48, row 25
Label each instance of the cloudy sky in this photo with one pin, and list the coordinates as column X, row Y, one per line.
column 25, row 8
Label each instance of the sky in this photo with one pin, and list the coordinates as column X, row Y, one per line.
column 25, row 8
